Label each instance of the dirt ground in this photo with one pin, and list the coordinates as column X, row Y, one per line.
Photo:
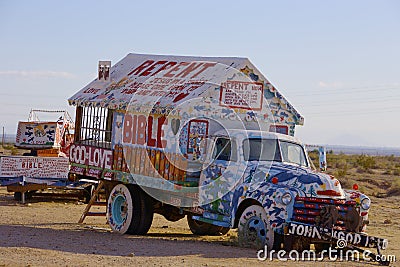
column 45, row 232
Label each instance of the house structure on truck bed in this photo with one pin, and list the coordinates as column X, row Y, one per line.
column 150, row 93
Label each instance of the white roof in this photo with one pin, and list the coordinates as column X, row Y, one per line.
column 141, row 81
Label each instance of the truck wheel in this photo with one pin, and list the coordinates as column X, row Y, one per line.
column 129, row 210
column 254, row 230
column 142, row 212
column 203, row 228
column 120, row 209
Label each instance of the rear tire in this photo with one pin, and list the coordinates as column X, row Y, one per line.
column 143, row 207
column 129, row 210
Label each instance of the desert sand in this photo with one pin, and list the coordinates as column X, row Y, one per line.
column 45, row 232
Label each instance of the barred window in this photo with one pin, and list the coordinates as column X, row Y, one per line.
column 95, row 126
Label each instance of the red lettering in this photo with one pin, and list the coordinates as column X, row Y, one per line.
column 165, row 67
column 141, row 130
column 160, row 132
column 189, row 69
column 134, row 127
column 141, row 67
column 149, row 69
column 127, row 131
column 91, row 91
column 150, row 140
column 174, row 69
column 205, row 66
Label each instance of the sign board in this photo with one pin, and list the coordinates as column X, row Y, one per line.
column 37, row 134
column 91, row 160
column 239, row 94
column 34, row 167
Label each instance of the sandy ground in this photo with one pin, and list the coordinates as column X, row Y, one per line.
column 45, row 232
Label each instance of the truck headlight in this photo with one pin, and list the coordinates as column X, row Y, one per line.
column 286, row 198
column 366, row 203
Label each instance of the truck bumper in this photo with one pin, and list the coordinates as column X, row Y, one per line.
column 329, row 235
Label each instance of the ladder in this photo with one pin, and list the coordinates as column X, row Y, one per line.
column 93, row 202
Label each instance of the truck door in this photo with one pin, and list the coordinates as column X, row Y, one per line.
column 219, row 176
column 197, row 131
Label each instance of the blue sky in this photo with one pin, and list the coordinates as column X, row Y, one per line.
column 337, row 62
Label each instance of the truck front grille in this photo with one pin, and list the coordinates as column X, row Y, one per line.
column 308, row 209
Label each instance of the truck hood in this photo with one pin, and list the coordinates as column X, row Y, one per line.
column 307, row 182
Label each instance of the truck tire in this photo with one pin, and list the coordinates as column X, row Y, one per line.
column 143, row 207
column 203, row 228
column 254, row 231
column 129, row 210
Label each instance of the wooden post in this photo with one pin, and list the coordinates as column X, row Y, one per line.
column 23, row 192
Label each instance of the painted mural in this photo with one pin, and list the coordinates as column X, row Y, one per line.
column 37, row 134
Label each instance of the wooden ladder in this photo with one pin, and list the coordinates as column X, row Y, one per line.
column 93, row 202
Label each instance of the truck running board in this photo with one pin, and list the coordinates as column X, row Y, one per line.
column 214, row 222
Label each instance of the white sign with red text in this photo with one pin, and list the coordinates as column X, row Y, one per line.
column 34, row 167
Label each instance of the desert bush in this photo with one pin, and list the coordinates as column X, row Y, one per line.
column 394, row 189
column 388, row 172
column 365, row 163
column 396, row 172
column 342, row 171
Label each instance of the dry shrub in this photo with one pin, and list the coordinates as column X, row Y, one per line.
column 394, row 189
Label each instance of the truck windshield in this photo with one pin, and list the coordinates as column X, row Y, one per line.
column 293, row 153
column 261, row 149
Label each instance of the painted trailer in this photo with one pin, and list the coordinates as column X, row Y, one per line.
column 46, row 166
column 209, row 138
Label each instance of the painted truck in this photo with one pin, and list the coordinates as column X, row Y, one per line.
column 210, row 139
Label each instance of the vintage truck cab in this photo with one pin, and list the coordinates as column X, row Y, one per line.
column 277, row 194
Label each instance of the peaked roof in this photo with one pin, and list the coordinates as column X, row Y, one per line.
column 144, row 79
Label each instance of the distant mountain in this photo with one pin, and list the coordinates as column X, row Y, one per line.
column 366, row 150
column 336, row 149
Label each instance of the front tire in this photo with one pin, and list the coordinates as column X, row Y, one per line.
column 254, row 231
column 129, row 210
